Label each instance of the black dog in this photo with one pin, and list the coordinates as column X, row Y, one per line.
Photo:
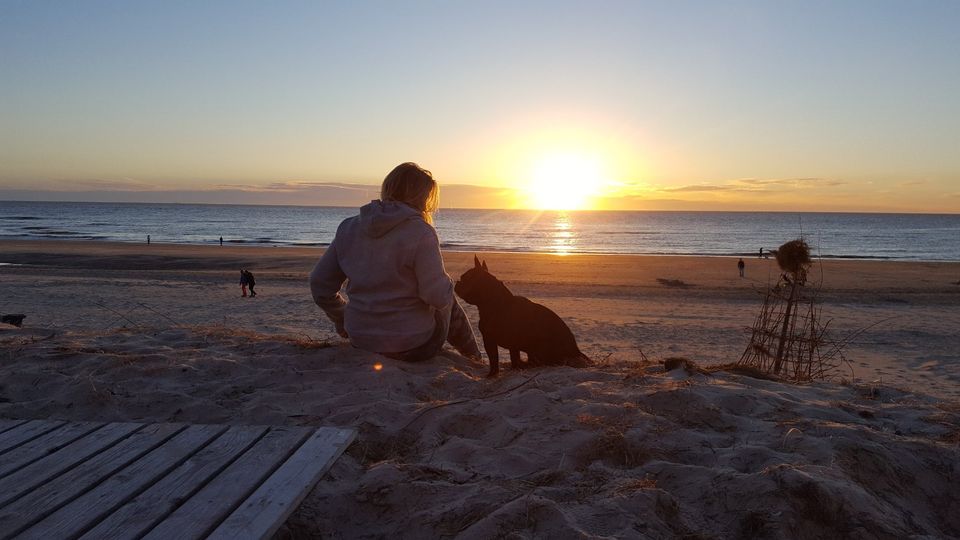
column 517, row 324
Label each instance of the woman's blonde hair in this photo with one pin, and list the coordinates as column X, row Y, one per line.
column 412, row 185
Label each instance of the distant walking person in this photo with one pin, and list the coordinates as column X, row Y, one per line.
column 761, row 254
column 740, row 266
column 250, row 282
column 243, row 282
column 148, row 239
column 221, row 241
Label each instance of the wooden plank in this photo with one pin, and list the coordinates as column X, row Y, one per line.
column 36, row 505
column 47, row 443
column 212, row 504
column 91, row 507
column 10, row 424
column 26, row 479
column 13, row 438
column 138, row 516
column 273, row 502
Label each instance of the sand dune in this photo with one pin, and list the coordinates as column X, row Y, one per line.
column 623, row 450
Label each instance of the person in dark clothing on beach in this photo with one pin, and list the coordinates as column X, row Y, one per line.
column 740, row 266
column 243, row 282
column 250, row 282
column 221, row 241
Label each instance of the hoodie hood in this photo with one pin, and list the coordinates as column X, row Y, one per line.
column 378, row 218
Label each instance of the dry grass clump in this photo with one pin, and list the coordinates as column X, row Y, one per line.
column 692, row 368
column 678, row 362
column 632, row 485
column 794, row 256
column 304, row 341
column 745, row 370
column 611, row 445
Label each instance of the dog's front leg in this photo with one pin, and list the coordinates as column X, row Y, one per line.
column 494, row 355
column 515, row 362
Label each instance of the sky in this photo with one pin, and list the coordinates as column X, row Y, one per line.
column 760, row 105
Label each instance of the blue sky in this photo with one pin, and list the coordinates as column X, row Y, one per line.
column 713, row 105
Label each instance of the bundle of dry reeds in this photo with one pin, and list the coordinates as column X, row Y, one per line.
column 789, row 333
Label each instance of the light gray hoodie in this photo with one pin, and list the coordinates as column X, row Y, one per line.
column 395, row 279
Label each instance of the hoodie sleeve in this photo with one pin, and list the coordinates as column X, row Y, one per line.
column 433, row 284
column 325, row 281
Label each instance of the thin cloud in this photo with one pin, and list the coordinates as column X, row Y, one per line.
column 808, row 182
column 298, row 185
column 698, row 188
column 96, row 184
column 756, row 185
column 280, row 193
column 301, row 185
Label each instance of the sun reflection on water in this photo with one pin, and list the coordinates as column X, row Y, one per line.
column 563, row 240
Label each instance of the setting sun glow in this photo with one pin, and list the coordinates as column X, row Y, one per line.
column 564, row 181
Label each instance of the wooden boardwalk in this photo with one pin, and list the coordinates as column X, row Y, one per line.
column 158, row 481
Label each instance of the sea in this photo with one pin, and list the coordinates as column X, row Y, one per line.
column 916, row 237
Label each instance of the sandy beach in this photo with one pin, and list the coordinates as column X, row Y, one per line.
column 624, row 449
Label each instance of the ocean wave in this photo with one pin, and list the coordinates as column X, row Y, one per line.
column 53, row 232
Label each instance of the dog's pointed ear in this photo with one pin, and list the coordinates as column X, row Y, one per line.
column 476, row 262
column 484, row 266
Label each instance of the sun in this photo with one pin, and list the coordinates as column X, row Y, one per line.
column 564, row 181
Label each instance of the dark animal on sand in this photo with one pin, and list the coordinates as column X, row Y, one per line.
column 16, row 320
column 517, row 324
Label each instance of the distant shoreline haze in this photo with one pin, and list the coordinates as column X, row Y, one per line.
column 342, row 194
column 453, row 196
column 119, row 198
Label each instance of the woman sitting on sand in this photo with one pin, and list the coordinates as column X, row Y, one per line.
column 400, row 300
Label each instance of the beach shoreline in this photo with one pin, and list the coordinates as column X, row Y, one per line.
column 39, row 245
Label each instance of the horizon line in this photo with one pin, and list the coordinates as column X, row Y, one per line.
column 491, row 209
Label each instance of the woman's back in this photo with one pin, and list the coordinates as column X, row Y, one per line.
column 399, row 297
column 395, row 276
